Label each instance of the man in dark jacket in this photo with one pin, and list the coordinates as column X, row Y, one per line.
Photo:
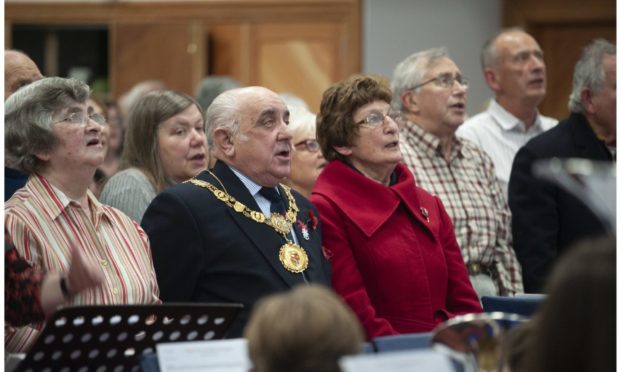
column 546, row 219
column 234, row 233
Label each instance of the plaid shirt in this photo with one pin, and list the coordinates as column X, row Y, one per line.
column 473, row 198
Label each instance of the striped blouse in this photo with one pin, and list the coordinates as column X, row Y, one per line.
column 43, row 223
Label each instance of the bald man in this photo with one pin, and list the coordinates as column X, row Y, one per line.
column 514, row 69
column 235, row 233
column 19, row 70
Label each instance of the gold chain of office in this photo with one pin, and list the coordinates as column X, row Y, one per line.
column 282, row 224
column 292, row 256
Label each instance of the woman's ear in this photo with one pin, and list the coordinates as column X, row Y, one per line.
column 43, row 156
column 343, row 150
column 223, row 142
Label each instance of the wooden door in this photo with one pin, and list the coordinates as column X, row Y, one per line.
column 563, row 44
column 172, row 52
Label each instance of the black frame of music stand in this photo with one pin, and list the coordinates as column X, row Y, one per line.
column 113, row 337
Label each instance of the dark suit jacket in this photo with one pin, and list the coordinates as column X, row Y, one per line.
column 545, row 219
column 204, row 251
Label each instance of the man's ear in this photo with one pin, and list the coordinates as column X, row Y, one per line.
column 586, row 100
column 223, row 141
column 343, row 150
column 490, row 76
column 409, row 100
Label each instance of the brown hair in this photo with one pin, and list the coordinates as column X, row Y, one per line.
column 140, row 146
column 575, row 329
column 306, row 329
column 334, row 122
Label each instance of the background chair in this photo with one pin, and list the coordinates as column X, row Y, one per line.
column 409, row 341
column 525, row 305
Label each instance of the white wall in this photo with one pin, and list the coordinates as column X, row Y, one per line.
column 394, row 29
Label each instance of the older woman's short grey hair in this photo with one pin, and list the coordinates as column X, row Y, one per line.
column 411, row 71
column 302, row 122
column 29, row 115
column 223, row 113
column 589, row 72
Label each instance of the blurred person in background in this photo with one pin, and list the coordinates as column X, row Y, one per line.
column 575, row 328
column 514, row 69
column 308, row 160
column 140, row 89
column 546, row 219
column 305, row 330
column 209, row 88
column 19, row 71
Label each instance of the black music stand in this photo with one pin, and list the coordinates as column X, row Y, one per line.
column 112, row 338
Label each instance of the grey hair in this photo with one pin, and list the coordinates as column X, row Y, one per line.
column 488, row 56
column 302, row 121
column 223, row 113
column 589, row 72
column 411, row 70
column 211, row 87
column 29, row 115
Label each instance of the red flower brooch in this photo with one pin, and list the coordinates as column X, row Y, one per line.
column 311, row 222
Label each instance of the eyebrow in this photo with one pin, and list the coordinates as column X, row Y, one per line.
column 267, row 114
column 271, row 113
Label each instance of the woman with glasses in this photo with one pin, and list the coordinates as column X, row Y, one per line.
column 165, row 143
column 308, row 161
column 54, row 138
column 394, row 256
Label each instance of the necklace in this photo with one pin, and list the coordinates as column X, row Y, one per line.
column 292, row 256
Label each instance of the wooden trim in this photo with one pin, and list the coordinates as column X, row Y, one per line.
column 213, row 12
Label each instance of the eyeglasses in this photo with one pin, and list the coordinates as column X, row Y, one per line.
column 376, row 118
column 311, row 144
column 79, row 118
column 445, row 81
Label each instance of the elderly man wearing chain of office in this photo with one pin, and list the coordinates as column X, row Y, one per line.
column 431, row 92
column 234, row 233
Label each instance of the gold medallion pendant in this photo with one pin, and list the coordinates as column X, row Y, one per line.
column 293, row 258
column 280, row 223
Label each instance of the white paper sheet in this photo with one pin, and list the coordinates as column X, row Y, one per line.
column 199, row 356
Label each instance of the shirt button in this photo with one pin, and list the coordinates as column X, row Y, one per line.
column 104, row 263
column 115, row 290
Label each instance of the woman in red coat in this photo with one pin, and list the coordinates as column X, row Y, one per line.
column 394, row 255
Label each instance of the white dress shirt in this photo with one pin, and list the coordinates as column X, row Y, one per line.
column 500, row 134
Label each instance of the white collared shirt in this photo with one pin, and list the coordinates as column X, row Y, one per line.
column 500, row 134
column 263, row 203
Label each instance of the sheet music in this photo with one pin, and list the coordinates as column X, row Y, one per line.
column 426, row 360
column 214, row 356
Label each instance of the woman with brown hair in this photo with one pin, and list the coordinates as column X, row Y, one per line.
column 395, row 259
column 165, row 143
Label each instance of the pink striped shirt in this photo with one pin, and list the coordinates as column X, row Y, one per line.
column 44, row 223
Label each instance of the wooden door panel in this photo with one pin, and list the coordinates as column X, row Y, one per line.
column 563, row 44
column 168, row 51
column 303, row 59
